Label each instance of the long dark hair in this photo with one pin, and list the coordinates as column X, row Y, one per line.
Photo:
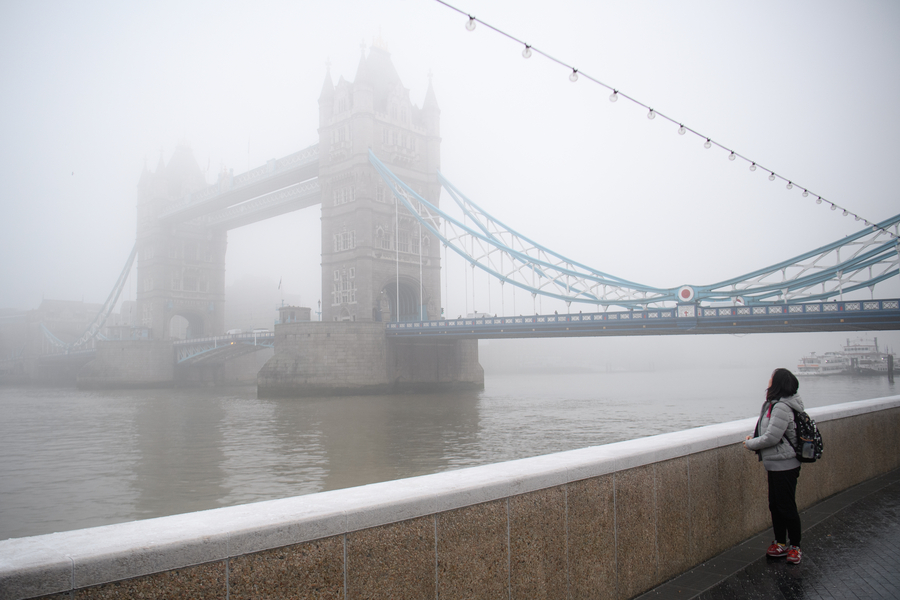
column 784, row 384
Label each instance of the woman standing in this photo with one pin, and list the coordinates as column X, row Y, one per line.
column 774, row 441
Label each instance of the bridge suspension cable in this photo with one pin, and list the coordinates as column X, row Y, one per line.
column 855, row 262
column 652, row 114
column 93, row 329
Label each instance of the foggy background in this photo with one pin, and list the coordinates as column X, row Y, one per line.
column 94, row 91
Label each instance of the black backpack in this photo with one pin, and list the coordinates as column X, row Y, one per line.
column 809, row 440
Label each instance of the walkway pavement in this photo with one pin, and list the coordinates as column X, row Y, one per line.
column 851, row 549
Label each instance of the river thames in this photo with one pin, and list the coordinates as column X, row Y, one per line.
column 71, row 459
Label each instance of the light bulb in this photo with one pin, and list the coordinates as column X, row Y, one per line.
column 771, row 176
column 651, row 114
column 707, row 144
column 573, row 77
column 819, row 200
column 874, row 227
column 526, row 53
column 614, row 96
column 805, row 193
column 470, row 25
column 789, row 185
column 681, row 130
column 731, row 156
column 833, row 207
column 846, row 213
column 753, row 167
column 856, row 217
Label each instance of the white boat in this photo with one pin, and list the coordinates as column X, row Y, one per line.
column 830, row 363
column 866, row 359
column 860, row 357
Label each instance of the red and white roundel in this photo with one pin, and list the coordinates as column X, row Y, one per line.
column 685, row 293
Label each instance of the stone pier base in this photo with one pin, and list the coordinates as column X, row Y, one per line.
column 350, row 358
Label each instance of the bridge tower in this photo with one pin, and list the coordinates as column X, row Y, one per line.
column 377, row 263
column 181, row 267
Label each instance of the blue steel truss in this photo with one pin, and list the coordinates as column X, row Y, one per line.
column 852, row 263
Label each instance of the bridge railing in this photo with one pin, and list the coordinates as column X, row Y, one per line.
column 686, row 315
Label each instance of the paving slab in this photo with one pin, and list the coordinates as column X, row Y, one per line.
column 851, row 550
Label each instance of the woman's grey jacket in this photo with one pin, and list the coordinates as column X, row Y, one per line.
column 775, row 433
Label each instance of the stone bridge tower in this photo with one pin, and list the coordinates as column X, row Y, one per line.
column 377, row 262
column 180, row 267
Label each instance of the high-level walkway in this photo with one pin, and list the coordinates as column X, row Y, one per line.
column 851, row 549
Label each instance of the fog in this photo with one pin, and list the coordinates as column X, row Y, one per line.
column 94, row 91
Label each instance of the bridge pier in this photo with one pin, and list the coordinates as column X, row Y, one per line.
column 351, row 358
column 130, row 364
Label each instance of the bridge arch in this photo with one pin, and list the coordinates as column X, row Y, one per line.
column 186, row 325
column 409, row 307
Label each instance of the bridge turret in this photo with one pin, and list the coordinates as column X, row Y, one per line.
column 326, row 98
column 181, row 266
column 364, row 243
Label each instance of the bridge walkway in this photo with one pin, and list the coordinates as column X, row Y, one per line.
column 851, row 549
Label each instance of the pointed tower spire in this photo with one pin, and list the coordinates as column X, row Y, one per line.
column 327, row 87
column 430, row 99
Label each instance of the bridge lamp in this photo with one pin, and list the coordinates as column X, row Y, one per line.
column 651, row 114
column 833, row 206
column 731, row 156
column 805, row 193
column 753, row 167
column 846, row 213
column 614, row 96
column 526, row 53
column 819, row 200
column 681, row 129
column 470, row 24
column 707, row 144
column 789, row 185
column 573, row 76
column 771, row 176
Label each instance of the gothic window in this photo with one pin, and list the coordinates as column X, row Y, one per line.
column 343, row 195
column 343, row 290
column 345, row 240
column 176, row 282
column 415, row 244
column 148, row 284
column 404, row 242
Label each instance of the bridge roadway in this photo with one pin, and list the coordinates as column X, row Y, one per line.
column 856, row 315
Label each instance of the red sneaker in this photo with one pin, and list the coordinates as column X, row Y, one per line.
column 794, row 555
column 777, row 550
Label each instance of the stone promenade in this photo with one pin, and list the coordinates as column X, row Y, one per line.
column 851, row 549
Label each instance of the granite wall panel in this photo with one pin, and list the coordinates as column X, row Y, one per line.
column 473, row 552
column 312, row 570
column 592, row 539
column 673, row 517
column 636, row 558
column 704, row 477
column 393, row 562
column 537, row 541
column 201, row 582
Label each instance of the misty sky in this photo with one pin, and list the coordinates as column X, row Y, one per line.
column 93, row 91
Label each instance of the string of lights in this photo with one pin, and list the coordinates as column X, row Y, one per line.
column 708, row 143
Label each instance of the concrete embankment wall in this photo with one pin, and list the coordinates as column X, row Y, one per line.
column 603, row 522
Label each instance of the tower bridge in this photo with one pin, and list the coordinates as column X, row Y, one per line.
column 375, row 173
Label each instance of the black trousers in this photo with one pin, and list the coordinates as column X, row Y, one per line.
column 783, row 505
